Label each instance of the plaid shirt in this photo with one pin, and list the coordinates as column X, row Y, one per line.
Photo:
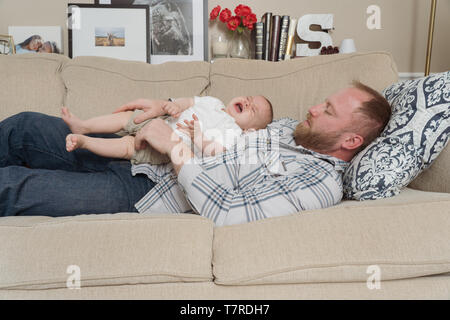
column 265, row 175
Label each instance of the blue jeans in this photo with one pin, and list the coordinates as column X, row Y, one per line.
column 39, row 177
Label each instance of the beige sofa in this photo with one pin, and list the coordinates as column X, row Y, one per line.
column 322, row 254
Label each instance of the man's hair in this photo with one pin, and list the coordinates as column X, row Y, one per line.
column 375, row 112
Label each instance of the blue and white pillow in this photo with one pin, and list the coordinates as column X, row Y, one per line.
column 419, row 129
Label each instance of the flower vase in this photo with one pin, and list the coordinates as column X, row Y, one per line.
column 240, row 46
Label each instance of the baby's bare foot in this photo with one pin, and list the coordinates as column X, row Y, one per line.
column 75, row 124
column 74, row 141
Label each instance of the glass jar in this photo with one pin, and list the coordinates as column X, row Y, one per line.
column 240, row 46
column 220, row 46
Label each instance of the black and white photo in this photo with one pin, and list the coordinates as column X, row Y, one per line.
column 177, row 27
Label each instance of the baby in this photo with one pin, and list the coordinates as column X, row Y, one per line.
column 220, row 126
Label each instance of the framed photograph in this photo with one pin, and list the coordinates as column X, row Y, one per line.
column 7, row 44
column 114, row 31
column 178, row 28
column 37, row 39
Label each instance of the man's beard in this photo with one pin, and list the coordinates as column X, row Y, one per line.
column 317, row 141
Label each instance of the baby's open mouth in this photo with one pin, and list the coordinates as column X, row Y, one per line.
column 238, row 107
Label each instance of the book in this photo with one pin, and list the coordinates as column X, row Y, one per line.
column 275, row 38
column 283, row 37
column 259, row 38
column 267, row 32
column 290, row 39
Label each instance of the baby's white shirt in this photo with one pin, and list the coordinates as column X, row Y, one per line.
column 215, row 123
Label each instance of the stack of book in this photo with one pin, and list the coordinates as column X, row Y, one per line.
column 274, row 37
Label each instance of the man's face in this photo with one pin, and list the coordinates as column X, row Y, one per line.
column 329, row 124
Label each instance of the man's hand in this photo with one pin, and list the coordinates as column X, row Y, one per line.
column 157, row 134
column 163, row 139
column 151, row 108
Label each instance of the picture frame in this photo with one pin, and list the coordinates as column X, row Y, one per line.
column 35, row 39
column 185, row 25
column 7, row 46
column 115, row 31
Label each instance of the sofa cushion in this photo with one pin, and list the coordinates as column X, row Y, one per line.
column 424, row 288
column 417, row 132
column 109, row 249
column 336, row 245
column 406, row 195
column 97, row 85
column 31, row 82
column 295, row 85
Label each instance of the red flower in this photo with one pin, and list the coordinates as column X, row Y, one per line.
column 249, row 21
column 225, row 15
column 242, row 10
column 233, row 23
column 244, row 17
column 214, row 13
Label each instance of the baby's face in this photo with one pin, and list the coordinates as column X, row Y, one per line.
column 252, row 112
column 46, row 47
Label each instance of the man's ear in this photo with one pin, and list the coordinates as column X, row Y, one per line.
column 352, row 141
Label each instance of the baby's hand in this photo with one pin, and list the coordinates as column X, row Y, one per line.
column 172, row 109
column 192, row 129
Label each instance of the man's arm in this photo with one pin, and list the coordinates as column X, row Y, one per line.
column 155, row 108
column 255, row 196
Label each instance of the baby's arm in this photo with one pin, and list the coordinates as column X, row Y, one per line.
column 176, row 106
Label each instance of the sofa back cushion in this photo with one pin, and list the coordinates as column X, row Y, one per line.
column 97, row 85
column 294, row 86
column 31, row 82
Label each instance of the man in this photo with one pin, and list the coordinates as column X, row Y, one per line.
column 38, row 177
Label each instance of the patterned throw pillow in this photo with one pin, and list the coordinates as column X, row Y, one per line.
column 417, row 132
